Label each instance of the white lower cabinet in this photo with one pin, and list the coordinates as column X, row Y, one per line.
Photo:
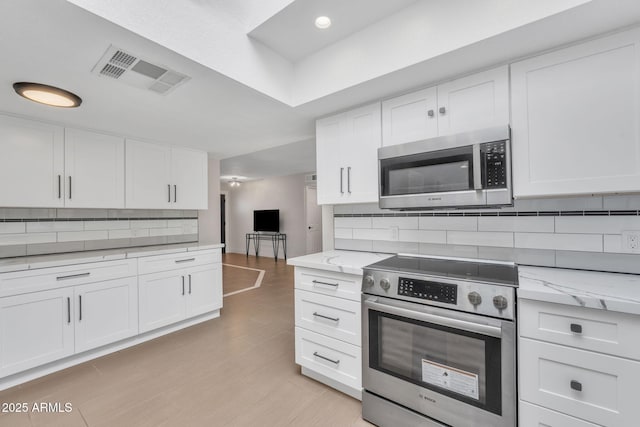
column 577, row 366
column 106, row 312
column 168, row 297
column 35, row 329
column 328, row 332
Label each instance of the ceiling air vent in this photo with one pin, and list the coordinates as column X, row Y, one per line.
column 130, row 69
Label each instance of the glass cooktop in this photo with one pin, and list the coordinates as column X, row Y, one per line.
column 505, row 274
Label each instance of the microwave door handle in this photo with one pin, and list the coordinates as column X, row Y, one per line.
column 477, row 168
column 464, row 325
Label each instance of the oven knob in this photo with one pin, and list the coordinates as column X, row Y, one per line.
column 385, row 284
column 474, row 298
column 500, row 302
column 368, row 281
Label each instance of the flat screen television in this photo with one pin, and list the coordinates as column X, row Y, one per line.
column 267, row 220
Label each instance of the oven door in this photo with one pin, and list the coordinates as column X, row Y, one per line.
column 454, row 367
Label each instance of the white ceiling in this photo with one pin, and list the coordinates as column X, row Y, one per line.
column 245, row 97
column 292, row 33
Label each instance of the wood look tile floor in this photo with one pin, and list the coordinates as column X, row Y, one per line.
column 237, row 370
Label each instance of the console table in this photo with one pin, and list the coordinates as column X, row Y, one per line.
column 275, row 238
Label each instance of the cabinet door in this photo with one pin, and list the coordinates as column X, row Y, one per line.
column 204, row 289
column 576, row 119
column 359, row 151
column 105, row 312
column 329, row 165
column 94, row 170
column 31, row 164
column 148, row 175
column 474, row 102
column 161, row 299
column 36, row 328
column 410, row 117
column 189, row 178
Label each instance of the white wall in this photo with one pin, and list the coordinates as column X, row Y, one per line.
column 209, row 220
column 285, row 193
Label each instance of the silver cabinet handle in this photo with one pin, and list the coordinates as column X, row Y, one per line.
column 178, row 261
column 59, row 186
column 80, row 307
column 319, row 282
column 349, row 180
column 175, row 193
column 182, row 285
column 341, row 171
column 430, row 113
column 335, row 319
column 576, row 385
column 316, row 354
column 69, row 187
column 442, row 110
column 189, row 284
column 169, row 192
column 73, row 276
column 68, row 310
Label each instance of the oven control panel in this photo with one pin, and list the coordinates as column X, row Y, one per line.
column 429, row 290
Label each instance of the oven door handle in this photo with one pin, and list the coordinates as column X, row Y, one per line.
column 464, row 325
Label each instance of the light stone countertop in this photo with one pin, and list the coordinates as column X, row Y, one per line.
column 605, row 291
column 58, row 260
column 350, row 262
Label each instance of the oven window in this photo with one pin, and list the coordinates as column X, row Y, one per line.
column 463, row 365
column 432, row 172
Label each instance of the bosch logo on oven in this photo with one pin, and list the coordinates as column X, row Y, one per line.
column 422, row 396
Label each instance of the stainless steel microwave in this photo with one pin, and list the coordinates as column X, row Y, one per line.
column 466, row 170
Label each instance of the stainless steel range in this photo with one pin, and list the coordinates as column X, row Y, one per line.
column 439, row 342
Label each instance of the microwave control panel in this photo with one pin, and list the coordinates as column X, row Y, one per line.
column 494, row 164
column 428, row 290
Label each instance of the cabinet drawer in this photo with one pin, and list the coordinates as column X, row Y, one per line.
column 156, row 263
column 335, row 317
column 535, row 416
column 595, row 387
column 58, row 277
column 327, row 356
column 598, row 330
column 325, row 282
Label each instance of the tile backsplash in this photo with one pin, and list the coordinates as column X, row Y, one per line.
column 582, row 232
column 45, row 231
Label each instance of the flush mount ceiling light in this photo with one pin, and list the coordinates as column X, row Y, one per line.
column 234, row 182
column 48, row 95
column 323, row 22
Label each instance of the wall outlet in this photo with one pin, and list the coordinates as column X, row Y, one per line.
column 395, row 232
column 631, row 241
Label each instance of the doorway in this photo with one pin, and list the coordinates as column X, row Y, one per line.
column 313, row 215
column 224, row 229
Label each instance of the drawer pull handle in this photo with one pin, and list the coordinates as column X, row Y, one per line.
column 318, row 355
column 318, row 282
column 335, row 319
column 576, row 328
column 575, row 385
column 73, row 276
column 178, row 261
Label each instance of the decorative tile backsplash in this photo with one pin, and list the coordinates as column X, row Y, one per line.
column 44, row 231
column 584, row 232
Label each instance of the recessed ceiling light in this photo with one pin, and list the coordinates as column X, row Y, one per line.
column 48, row 95
column 323, row 22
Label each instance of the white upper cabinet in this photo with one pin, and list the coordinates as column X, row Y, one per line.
column 346, row 149
column 474, row 102
column 94, row 170
column 576, row 119
column 162, row 177
column 410, row 117
column 189, row 178
column 31, row 164
column 148, row 180
column 477, row 101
